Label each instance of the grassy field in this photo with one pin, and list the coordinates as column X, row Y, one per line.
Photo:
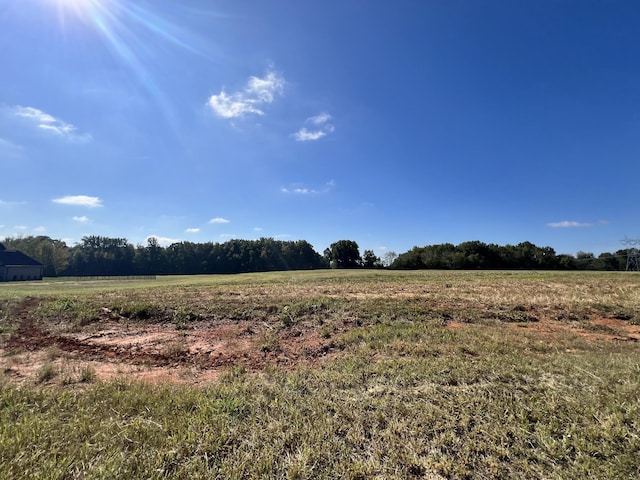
column 328, row 374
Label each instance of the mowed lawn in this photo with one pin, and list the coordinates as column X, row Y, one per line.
column 425, row 374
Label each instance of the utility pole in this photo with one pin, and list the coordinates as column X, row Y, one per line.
column 632, row 253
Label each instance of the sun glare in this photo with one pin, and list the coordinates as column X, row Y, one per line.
column 72, row 10
column 130, row 31
column 69, row 4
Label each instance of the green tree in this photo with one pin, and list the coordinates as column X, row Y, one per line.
column 53, row 254
column 97, row 255
column 344, row 254
column 370, row 260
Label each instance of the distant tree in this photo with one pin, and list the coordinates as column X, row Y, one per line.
column 388, row 258
column 370, row 260
column 326, row 256
column 586, row 261
column 566, row 262
column 608, row 261
column 410, row 260
column 475, row 255
column 150, row 259
column 53, row 254
column 97, row 255
column 344, row 254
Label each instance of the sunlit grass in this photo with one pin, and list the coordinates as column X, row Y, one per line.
column 553, row 417
column 438, row 376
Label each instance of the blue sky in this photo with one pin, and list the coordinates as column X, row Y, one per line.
column 393, row 124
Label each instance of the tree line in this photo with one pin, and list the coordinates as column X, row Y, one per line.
column 98, row 255
column 527, row 256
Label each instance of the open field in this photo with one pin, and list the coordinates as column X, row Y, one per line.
column 326, row 374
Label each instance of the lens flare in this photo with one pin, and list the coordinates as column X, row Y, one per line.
column 134, row 33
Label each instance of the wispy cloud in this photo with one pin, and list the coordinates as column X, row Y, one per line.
column 298, row 189
column 265, row 89
column 50, row 124
column 192, row 230
column 5, row 203
column 320, row 119
column 82, row 219
column 79, row 201
column 219, row 220
column 305, row 135
column 258, row 92
column 573, row 224
column 320, row 128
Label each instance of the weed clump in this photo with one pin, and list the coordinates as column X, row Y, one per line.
column 47, row 372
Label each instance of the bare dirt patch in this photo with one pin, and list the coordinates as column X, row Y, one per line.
column 595, row 329
column 200, row 350
column 162, row 352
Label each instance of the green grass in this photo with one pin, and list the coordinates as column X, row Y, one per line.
column 557, row 417
column 407, row 397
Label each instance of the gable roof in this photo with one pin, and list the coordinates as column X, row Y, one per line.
column 13, row 257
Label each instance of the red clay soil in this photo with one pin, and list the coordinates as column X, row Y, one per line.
column 162, row 352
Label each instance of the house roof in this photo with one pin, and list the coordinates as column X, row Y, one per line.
column 13, row 257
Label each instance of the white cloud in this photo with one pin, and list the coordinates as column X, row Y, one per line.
column 257, row 229
column 219, row 220
column 258, row 91
column 265, row 89
column 79, row 200
column 192, row 230
column 568, row 224
column 34, row 114
column 20, row 227
column 40, row 229
column 233, row 106
column 322, row 128
column 164, row 241
column 304, row 135
column 228, row 236
column 82, row 219
column 300, row 190
column 49, row 123
column 319, row 119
